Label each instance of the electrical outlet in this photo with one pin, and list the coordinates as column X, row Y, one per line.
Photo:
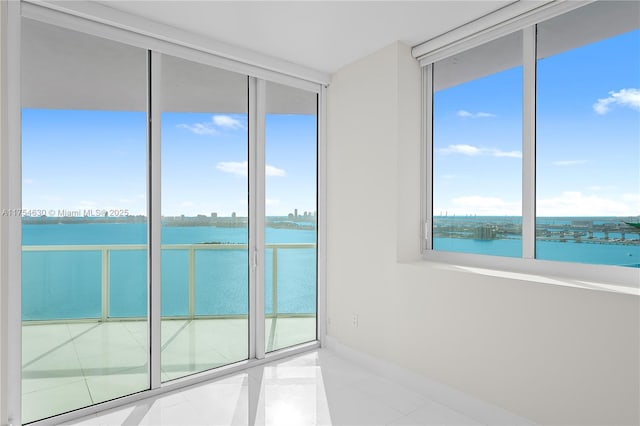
column 354, row 320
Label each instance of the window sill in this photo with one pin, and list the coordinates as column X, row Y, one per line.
column 612, row 279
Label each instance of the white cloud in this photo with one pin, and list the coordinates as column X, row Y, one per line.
column 481, row 206
column 200, row 128
column 564, row 163
column 573, row 203
column 471, row 150
column 212, row 128
column 509, row 154
column 467, row 114
column 240, row 168
column 624, row 97
column 633, row 200
column 233, row 167
column 461, row 149
column 274, row 171
column 271, row 202
column 227, row 122
column 29, row 181
column 186, row 204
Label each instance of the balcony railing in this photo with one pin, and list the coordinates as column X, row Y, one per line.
column 105, row 271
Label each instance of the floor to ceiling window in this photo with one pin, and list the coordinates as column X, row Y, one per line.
column 140, row 184
column 291, row 216
column 84, row 220
column 205, row 279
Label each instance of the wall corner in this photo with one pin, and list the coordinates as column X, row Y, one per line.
column 409, row 121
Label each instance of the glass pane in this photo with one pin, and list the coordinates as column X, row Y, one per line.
column 205, row 280
column 588, row 136
column 477, row 150
column 290, row 234
column 84, row 226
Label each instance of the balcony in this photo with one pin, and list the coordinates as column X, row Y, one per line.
column 99, row 352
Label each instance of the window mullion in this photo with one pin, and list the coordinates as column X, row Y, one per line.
column 257, row 207
column 10, row 198
column 529, row 143
column 427, row 155
column 321, row 257
column 154, row 215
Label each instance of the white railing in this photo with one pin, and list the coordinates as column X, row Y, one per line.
column 105, row 251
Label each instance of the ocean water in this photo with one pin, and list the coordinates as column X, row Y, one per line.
column 602, row 254
column 67, row 284
column 584, row 250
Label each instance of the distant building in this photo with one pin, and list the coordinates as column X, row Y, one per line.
column 484, row 232
column 581, row 223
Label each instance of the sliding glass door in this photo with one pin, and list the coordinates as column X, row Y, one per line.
column 141, row 175
column 205, row 279
column 84, row 220
column 291, row 216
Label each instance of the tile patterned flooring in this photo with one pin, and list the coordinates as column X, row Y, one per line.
column 315, row 388
column 75, row 364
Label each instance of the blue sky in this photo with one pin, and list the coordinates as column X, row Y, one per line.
column 97, row 160
column 588, row 148
column 588, row 136
column 83, row 160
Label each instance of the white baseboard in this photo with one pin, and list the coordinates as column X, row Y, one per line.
column 474, row 408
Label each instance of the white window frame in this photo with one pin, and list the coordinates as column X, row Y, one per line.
column 614, row 278
column 95, row 19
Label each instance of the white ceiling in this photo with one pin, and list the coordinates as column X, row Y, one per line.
column 322, row 35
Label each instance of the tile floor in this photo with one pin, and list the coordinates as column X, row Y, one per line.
column 76, row 364
column 315, row 388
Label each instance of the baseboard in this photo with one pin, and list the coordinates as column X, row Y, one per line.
column 468, row 405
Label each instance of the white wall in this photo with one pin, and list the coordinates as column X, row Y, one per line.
column 553, row 354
